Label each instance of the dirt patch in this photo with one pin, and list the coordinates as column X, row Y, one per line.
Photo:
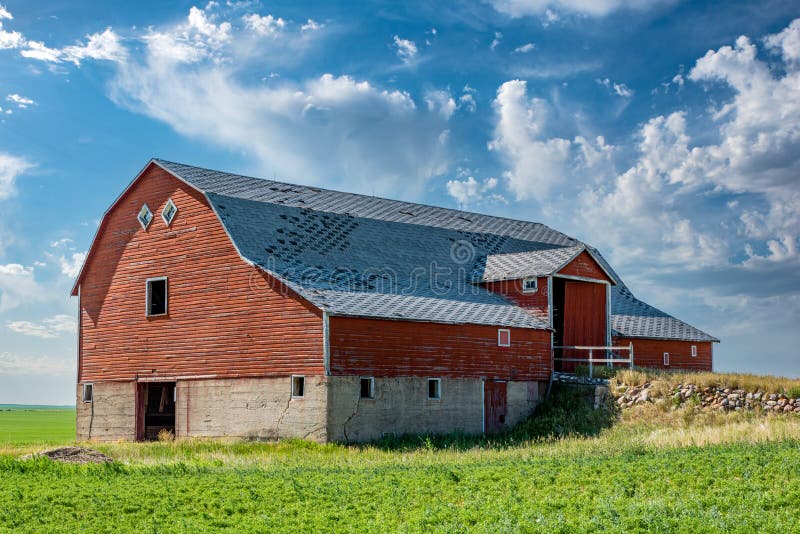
column 74, row 455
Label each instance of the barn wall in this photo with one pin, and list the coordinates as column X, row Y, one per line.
column 112, row 414
column 584, row 266
column 252, row 408
column 650, row 353
column 401, row 406
column 375, row 347
column 536, row 303
column 226, row 319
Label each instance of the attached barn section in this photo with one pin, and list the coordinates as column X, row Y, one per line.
column 214, row 304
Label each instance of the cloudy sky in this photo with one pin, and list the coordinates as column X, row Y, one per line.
column 665, row 133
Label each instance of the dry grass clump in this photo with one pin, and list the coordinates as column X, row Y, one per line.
column 748, row 382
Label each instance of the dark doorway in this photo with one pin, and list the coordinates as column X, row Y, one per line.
column 494, row 406
column 155, row 409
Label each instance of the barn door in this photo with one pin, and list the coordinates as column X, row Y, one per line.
column 494, row 406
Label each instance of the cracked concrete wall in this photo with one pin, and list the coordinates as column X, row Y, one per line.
column 401, row 406
column 253, row 408
column 111, row 416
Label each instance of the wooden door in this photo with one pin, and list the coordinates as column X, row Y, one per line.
column 585, row 320
column 494, row 406
column 141, row 409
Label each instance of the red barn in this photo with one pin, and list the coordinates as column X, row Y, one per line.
column 213, row 304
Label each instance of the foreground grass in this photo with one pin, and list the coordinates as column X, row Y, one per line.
column 654, row 469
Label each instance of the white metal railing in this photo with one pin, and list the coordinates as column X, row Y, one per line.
column 607, row 351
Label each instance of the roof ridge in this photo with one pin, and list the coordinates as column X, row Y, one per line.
column 362, row 195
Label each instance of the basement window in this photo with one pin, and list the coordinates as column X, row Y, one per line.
column 169, row 211
column 145, row 217
column 694, row 351
column 298, row 387
column 156, row 296
column 368, row 388
column 530, row 285
column 666, row 358
column 435, row 388
column 88, row 392
column 504, row 337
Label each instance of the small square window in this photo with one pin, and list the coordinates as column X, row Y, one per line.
column 88, row 392
column 434, row 388
column 145, row 217
column 156, row 296
column 367, row 388
column 666, row 358
column 298, row 386
column 169, row 211
column 530, row 285
column 694, row 351
column 504, row 337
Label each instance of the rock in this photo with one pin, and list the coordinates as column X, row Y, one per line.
column 773, row 397
column 74, row 455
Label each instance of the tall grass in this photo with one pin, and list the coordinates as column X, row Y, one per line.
column 748, row 382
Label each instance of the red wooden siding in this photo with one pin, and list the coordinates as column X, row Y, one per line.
column 226, row 318
column 535, row 303
column 375, row 347
column 584, row 266
column 650, row 353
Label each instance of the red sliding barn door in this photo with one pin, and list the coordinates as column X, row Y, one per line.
column 585, row 319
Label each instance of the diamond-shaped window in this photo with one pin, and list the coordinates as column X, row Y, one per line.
column 145, row 216
column 169, row 211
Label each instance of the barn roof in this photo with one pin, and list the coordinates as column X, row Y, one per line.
column 360, row 255
column 517, row 265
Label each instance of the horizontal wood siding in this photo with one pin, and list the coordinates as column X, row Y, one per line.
column 535, row 303
column 650, row 353
column 226, row 318
column 375, row 347
column 585, row 267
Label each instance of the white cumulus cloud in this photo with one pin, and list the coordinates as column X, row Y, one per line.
column 51, row 327
column 406, row 50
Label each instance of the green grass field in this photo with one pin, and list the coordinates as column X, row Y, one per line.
column 36, row 424
column 653, row 470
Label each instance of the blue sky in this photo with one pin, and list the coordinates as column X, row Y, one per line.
column 665, row 133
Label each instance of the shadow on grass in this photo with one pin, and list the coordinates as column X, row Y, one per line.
column 569, row 411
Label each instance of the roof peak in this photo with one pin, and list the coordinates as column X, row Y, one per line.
column 466, row 216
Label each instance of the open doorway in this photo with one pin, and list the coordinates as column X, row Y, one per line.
column 155, row 409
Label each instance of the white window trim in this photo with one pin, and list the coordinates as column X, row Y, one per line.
column 666, row 359
column 438, row 388
column 371, row 387
column 145, row 226
column 694, row 351
column 499, row 333
column 174, row 213
column 304, row 387
column 83, row 392
column 535, row 287
column 147, row 296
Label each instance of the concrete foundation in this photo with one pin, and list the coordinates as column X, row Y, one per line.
column 111, row 416
column 252, row 408
column 331, row 408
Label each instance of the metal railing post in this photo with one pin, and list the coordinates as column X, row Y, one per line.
column 630, row 354
column 590, row 363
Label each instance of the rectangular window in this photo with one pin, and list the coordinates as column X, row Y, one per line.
column 367, row 388
column 666, row 358
column 156, row 296
column 434, row 388
column 88, row 392
column 694, row 351
column 298, row 386
column 530, row 285
column 504, row 337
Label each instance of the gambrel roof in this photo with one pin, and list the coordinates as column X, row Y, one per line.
column 359, row 255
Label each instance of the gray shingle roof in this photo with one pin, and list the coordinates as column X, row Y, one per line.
column 522, row 264
column 366, row 256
